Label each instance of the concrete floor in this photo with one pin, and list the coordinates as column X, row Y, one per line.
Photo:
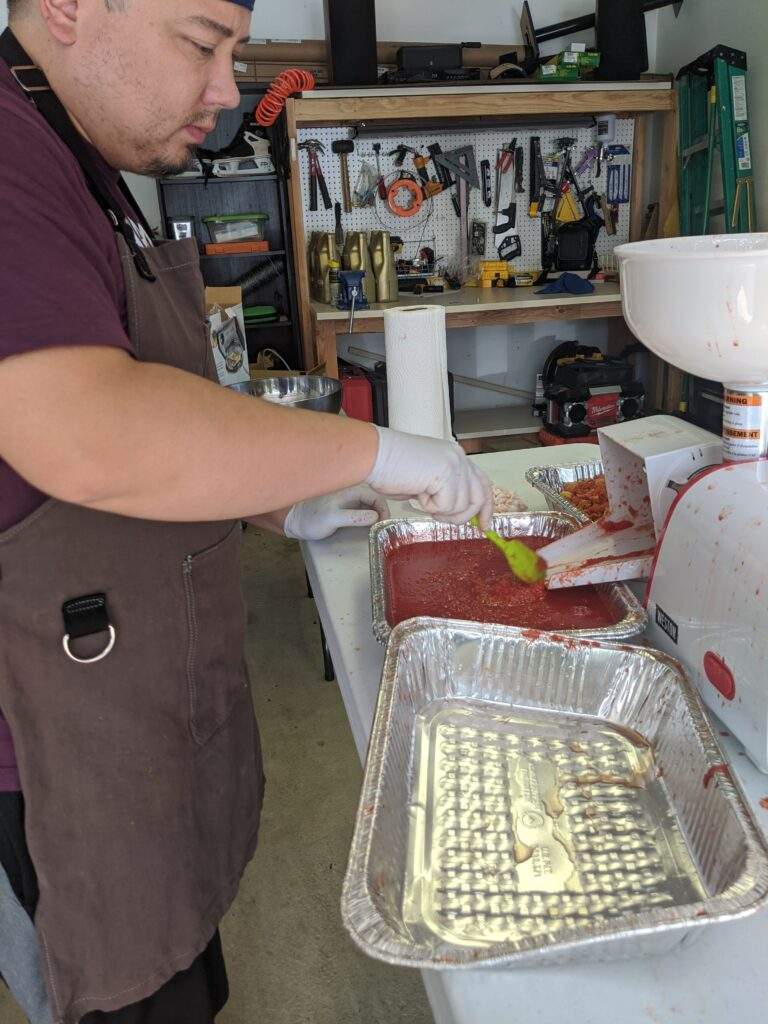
column 290, row 960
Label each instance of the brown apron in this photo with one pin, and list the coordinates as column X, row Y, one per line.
column 141, row 771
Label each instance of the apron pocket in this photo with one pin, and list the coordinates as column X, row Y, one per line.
column 216, row 618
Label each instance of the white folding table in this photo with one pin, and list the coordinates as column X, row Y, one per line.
column 719, row 977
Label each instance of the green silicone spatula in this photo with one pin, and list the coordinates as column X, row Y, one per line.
column 523, row 562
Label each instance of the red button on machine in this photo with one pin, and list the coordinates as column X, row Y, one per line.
column 719, row 675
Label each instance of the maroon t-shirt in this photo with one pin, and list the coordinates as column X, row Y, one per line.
column 60, row 277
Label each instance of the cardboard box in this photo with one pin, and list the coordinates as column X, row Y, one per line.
column 226, row 329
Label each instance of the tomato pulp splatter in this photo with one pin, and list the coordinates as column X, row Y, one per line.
column 610, row 526
column 470, row 579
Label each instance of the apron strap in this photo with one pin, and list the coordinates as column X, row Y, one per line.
column 33, row 82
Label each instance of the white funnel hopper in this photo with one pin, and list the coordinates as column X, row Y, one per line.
column 701, row 304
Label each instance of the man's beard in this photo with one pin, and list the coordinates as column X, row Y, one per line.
column 159, row 168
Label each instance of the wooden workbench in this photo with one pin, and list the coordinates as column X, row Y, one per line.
column 498, row 104
column 468, row 307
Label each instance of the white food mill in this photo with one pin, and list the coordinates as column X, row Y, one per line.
column 688, row 509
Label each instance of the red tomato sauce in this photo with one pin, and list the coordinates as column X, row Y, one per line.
column 470, row 579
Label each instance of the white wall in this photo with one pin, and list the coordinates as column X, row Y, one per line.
column 445, row 21
column 742, row 24
column 145, row 193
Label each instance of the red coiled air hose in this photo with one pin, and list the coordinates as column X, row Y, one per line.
column 287, row 82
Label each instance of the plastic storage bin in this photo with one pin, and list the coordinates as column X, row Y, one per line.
column 237, row 227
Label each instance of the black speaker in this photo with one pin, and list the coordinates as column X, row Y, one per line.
column 621, row 39
column 350, row 30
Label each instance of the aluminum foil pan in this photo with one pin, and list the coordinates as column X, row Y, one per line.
column 538, row 799
column 631, row 618
column 550, row 480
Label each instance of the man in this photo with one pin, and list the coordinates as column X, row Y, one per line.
column 121, row 623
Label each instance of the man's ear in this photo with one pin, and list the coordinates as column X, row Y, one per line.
column 61, row 18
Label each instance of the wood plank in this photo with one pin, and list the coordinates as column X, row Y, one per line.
column 637, row 207
column 674, row 390
column 479, row 317
column 342, row 110
column 299, row 240
column 669, row 210
column 533, row 314
column 326, row 346
column 481, row 300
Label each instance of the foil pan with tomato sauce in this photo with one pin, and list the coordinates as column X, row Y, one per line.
column 624, row 619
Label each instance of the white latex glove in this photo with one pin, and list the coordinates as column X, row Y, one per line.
column 319, row 518
column 437, row 473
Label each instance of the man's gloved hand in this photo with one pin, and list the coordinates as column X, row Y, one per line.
column 437, row 473
column 319, row 518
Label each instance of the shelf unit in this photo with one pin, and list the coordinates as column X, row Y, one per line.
column 198, row 197
column 426, row 108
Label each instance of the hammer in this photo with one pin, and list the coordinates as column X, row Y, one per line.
column 343, row 148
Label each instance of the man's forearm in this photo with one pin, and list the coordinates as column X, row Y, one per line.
column 93, row 427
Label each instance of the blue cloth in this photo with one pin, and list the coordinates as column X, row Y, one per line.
column 244, row 3
column 20, row 961
column 567, row 283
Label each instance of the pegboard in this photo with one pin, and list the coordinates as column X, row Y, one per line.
column 437, row 225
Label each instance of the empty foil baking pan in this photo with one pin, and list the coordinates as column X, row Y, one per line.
column 631, row 618
column 551, row 480
column 533, row 799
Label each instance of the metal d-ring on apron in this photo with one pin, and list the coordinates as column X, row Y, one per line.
column 88, row 616
column 140, row 766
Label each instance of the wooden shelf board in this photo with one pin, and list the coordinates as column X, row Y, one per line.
column 233, row 178
column 502, row 422
column 329, row 107
column 483, row 300
column 263, row 327
column 244, row 255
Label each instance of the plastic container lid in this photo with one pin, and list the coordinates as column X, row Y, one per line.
column 259, row 312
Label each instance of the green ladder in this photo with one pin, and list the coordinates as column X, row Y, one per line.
column 713, row 115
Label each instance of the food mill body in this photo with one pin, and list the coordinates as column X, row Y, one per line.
column 702, row 304
column 708, row 596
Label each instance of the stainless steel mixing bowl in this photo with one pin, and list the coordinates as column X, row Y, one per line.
column 318, row 394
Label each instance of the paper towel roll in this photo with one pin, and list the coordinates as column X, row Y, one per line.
column 417, row 371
